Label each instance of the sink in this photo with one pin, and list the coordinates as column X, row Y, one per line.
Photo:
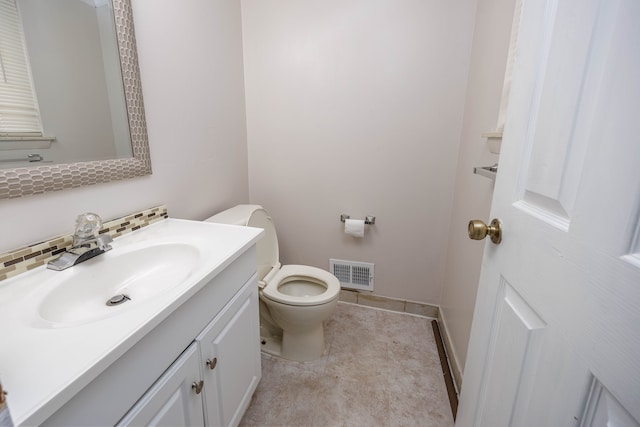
column 128, row 277
column 161, row 267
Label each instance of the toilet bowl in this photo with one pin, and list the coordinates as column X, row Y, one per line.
column 295, row 300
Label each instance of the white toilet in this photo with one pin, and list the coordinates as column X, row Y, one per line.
column 294, row 299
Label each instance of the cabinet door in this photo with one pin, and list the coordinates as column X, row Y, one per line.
column 172, row 400
column 231, row 346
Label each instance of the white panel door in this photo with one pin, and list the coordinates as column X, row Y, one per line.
column 556, row 332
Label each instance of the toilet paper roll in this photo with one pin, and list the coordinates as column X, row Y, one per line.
column 354, row 227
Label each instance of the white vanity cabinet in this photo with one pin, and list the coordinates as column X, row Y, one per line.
column 152, row 382
column 230, row 351
column 173, row 399
column 212, row 382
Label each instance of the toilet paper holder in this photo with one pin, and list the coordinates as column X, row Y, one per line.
column 367, row 220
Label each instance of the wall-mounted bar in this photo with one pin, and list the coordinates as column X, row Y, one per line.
column 369, row 220
column 487, row 171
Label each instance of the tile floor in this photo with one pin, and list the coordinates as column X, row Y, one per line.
column 380, row 368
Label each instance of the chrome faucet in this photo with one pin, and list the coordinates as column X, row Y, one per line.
column 86, row 243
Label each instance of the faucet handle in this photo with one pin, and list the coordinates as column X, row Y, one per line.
column 103, row 242
column 87, row 226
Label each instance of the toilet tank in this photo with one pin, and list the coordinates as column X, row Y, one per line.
column 237, row 215
column 267, row 251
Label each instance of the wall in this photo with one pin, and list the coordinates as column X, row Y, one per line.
column 191, row 67
column 473, row 193
column 356, row 107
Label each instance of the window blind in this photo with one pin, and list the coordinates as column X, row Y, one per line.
column 19, row 115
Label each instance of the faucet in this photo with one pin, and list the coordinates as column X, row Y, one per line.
column 86, row 243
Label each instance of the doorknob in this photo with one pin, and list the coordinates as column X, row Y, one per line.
column 478, row 230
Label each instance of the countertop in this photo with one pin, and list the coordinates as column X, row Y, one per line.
column 43, row 365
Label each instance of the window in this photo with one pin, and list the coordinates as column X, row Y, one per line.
column 19, row 115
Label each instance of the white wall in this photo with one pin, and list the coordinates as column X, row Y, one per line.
column 356, row 107
column 192, row 77
column 473, row 193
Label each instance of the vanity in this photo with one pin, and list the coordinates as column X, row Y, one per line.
column 182, row 349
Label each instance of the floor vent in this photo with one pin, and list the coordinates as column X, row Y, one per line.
column 352, row 274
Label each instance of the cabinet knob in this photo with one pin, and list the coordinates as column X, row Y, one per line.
column 197, row 386
column 211, row 363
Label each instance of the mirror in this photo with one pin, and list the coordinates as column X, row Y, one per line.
column 130, row 123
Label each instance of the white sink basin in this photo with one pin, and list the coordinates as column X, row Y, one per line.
column 80, row 294
column 64, row 313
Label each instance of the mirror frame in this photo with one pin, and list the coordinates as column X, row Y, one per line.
column 24, row 181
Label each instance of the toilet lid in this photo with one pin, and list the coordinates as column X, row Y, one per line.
column 267, row 252
column 290, row 274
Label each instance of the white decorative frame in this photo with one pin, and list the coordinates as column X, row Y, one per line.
column 39, row 179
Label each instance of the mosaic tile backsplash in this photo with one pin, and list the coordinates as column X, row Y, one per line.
column 24, row 259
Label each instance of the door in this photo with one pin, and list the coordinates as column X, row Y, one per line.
column 175, row 399
column 556, row 331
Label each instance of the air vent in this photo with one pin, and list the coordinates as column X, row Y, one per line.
column 352, row 274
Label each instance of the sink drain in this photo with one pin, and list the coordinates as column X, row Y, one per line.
column 118, row 299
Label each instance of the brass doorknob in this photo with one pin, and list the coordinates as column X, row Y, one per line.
column 478, row 230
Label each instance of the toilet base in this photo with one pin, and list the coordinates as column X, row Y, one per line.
column 271, row 345
column 302, row 337
column 297, row 347
column 303, row 347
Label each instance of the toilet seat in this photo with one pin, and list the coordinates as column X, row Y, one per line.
column 302, row 273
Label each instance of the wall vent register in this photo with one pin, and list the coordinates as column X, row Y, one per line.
column 352, row 274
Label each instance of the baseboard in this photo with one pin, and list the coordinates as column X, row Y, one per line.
column 446, row 369
column 377, row 301
column 451, row 354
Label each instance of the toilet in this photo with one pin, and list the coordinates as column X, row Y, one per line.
column 295, row 300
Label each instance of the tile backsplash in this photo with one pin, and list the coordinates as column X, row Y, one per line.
column 24, row 259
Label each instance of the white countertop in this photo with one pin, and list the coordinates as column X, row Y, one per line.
column 43, row 365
